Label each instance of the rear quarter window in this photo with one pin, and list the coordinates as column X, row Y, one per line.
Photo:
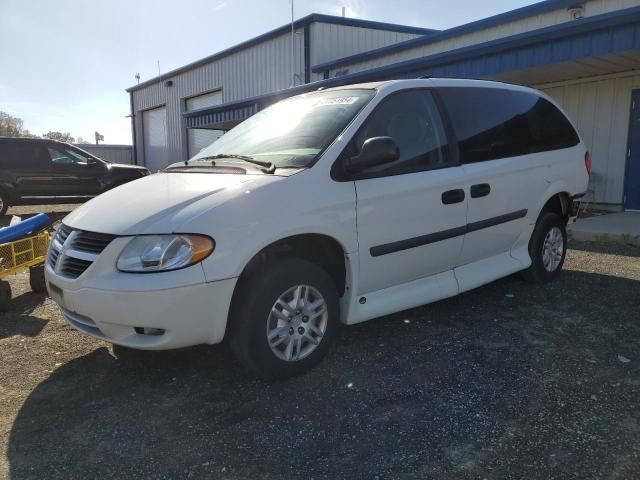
column 493, row 123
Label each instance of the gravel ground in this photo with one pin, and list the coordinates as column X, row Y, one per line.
column 508, row 381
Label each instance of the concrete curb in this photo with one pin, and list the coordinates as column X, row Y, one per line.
column 582, row 236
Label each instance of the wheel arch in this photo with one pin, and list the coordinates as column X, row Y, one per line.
column 557, row 201
column 323, row 250
column 320, row 249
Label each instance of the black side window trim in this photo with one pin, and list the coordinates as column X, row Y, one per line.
column 338, row 174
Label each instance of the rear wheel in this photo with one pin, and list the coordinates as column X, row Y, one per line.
column 283, row 318
column 547, row 248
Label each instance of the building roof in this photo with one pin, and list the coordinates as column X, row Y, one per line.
column 593, row 37
column 300, row 23
column 510, row 16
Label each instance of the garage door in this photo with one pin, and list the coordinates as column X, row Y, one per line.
column 154, row 129
column 199, row 138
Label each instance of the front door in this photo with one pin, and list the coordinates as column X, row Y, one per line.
column 411, row 214
column 632, row 177
column 74, row 174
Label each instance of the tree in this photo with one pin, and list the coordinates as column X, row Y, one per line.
column 11, row 126
column 82, row 141
column 61, row 137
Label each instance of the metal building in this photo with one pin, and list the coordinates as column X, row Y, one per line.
column 110, row 153
column 584, row 53
column 266, row 64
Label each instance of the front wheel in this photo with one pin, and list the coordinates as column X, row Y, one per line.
column 283, row 318
column 547, row 247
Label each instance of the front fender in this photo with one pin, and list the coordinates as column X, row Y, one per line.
column 253, row 220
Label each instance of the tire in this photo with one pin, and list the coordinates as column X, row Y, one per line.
column 5, row 296
column 550, row 227
column 37, row 280
column 4, row 202
column 252, row 318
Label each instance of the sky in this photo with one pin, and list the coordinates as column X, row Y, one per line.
column 65, row 64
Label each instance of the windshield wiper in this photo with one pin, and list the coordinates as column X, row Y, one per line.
column 267, row 167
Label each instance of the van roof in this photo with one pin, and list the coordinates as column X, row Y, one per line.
column 431, row 82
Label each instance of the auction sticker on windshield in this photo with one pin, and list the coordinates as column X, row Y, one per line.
column 337, row 101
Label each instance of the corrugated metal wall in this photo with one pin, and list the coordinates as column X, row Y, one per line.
column 264, row 68
column 111, row 153
column 600, row 109
column 260, row 69
column 592, row 8
column 330, row 42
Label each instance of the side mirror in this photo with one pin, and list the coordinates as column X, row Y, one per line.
column 375, row 151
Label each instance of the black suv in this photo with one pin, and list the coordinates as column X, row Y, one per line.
column 40, row 171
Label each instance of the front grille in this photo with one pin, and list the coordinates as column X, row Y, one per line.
column 73, row 267
column 92, row 242
column 62, row 233
column 73, row 251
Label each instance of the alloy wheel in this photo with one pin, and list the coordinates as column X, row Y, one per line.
column 552, row 249
column 296, row 323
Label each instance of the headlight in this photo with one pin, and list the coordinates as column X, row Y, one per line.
column 161, row 253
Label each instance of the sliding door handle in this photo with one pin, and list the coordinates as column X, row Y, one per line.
column 480, row 190
column 453, row 196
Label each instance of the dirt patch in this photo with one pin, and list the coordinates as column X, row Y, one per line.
column 507, row 381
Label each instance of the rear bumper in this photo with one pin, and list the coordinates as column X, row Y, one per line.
column 179, row 317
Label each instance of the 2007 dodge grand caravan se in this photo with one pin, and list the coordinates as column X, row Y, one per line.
column 339, row 205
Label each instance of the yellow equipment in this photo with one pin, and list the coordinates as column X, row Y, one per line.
column 18, row 255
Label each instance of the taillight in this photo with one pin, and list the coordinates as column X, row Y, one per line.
column 587, row 163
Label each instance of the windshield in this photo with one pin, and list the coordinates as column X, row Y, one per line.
column 292, row 132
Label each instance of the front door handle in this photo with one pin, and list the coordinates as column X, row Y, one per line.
column 480, row 190
column 453, row 196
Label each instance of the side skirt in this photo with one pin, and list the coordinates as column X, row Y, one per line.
column 360, row 308
column 486, row 270
column 401, row 297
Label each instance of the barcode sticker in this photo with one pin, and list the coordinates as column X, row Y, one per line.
column 336, row 101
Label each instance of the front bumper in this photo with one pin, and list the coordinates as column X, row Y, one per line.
column 155, row 311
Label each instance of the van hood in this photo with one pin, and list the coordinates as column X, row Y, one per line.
column 161, row 203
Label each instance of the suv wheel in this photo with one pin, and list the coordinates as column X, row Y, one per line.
column 4, row 203
column 547, row 247
column 37, row 280
column 5, row 296
column 283, row 318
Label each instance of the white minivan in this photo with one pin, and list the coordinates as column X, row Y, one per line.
column 336, row 206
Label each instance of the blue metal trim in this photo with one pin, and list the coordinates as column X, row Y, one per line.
column 594, row 36
column 300, row 23
column 520, row 13
column 220, row 116
column 257, row 103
